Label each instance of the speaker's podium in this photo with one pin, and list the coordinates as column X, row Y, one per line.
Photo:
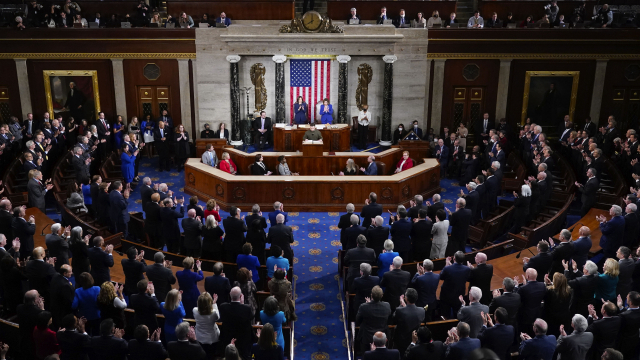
column 312, row 148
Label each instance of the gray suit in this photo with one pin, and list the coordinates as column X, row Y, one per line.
column 471, row 315
column 574, row 346
column 36, row 193
column 211, row 160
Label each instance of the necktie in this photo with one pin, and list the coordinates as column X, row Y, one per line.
column 485, row 126
column 29, row 132
column 71, row 92
column 161, row 133
column 104, row 124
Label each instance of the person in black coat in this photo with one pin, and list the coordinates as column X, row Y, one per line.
column 407, row 318
column 395, row 282
column 181, row 147
column 207, row 133
column 481, row 129
column 416, row 205
column 6, row 220
column 61, row 293
column 630, row 318
column 40, row 272
column 472, row 201
column 362, row 285
column 262, row 128
column 423, row 347
column 353, row 16
column 118, row 209
column 94, row 190
column 531, row 294
column 370, row 210
column 584, row 285
column 27, row 318
column 460, row 222
column 588, row 190
column 103, row 205
column 376, row 235
column 541, row 262
column 522, row 203
column 161, row 276
column 631, row 226
column 498, row 337
column 235, row 228
column 237, row 318
column 146, row 305
column 146, row 190
column 169, row 215
column 109, row 345
column 153, row 223
column 605, row 328
column 345, row 222
column 493, row 186
column 401, row 234
column 101, row 261
column 146, row 346
column 192, row 227
column 218, row 284
column 352, row 233
column 74, row 343
column 372, row 317
column 281, row 235
column 421, row 236
column 259, row 167
column 161, row 136
column 480, row 277
column 356, row 256
column 23, row 230
column 508, row 300
column 561, row 252
column 432, row 209
column 57, row 245
column 134, row 268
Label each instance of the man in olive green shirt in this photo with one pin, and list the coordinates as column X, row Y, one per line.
column 312, row 134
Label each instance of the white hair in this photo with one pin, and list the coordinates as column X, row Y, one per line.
column 388, row 244
column 163, row 187
column 476, row 293
column 538, row 128
column 496, row 164
column 525, row 191
column 146, row 180
column 353, row 9
column 397, row 262
column 633, row 207
column 579, row 323
column 617, row 210
column 472, row 185
column 436, row 197
column 280, row 218
column 350, row 208
column 379, row 220
column 354, row 219
column 591, row 267
column 55, row 228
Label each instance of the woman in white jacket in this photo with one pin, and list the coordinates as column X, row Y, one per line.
column 440, row 237
column 206, row 314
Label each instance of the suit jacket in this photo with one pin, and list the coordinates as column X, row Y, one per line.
column 562, row 251
column 473, row 204
column 407, row 319
column 100, row 264
column 361, row 287
column 395, row 283
column 574, row 346
column 471, row 315
column 147, row 350
column 541, row 262
column 460, row 350
column 356, row 256
column 455, row 278
column 40, row 274
column 605, row 333
column 59, row 248
column 145, row 195
column 344, row 223
column 406, row 21
column 382, row 354
column 169, row 222
column 24, row 230
column 493, row 186
column 376, row 236
column 351, row 235
column 433, row 209
column 630, row 230
column 581, row 248
column 510, row 302
column 6, row 226
column 401, row 235
column 413, row 211
column 74, row 346
column 217, row 284
column 35, row 192
column 256, row 169
column 186, row 350
column 624, row 277
column 237, row 319
column 426, row 285
column 612, row 235
column 235, row 229
column 192, row 233
column 443, row 157
column 497, row 338
column 109, row 348
column 133, row 272
column 369, row 212
column 102, row 130
column 372, row 317
column 584, row 288
column 371, row 169
column 481, row 277
column 81, row 168
column 531, row 295
column 589, row 191
column 146, row 307
column 118, row 206
column 630, row 323
column 274, row 214
column 250, row 218
column 421, row 239
column 61, row 297
column 281, row 235
column 540, row 347
column 460, row 222
column 257, row 124
column 162, row 279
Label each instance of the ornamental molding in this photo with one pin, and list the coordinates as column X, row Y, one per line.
column 528, row 56
column 97, row 56
column 233, row 58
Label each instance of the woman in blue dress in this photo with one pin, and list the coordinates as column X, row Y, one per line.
column 300, row 109
column 147, row 127
column 326, row 111
column 119, row 129
column 173, row 312
column 128, row 164
column 188, row 281
column 271, row 314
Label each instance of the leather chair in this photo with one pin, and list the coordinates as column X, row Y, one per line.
column 382, row 168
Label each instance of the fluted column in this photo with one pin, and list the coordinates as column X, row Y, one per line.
column 387, row 99
column 281, row 110
column 503, row 88
column 23, row 87
column 598, row 90
column 343, row 88
column 234, row 92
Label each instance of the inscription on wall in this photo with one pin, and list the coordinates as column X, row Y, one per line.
column 310, row 50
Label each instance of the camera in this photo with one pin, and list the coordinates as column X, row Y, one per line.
column 547, row 7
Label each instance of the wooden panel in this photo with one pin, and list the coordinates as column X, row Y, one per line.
column 614, row 83
column 107, row 8
column 370, row 10
column 291, row 140
column 9, row 80
column 235, row 10
column 522, row 9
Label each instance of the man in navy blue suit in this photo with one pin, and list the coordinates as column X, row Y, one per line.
column 370, row 210
column 541, row 262
column 498, row 337
column 362, row 285
column 459, row 344
column 442, row 154
column 372, row 168
column 582, row 246
column 454, row 277
column 118, row 209
column 223, row 19
column 278, row 209
column 100, row 261
column 540, row 347
column 351, row 233
column 218, row 284
column 612, row 232
column 401, row 234
column 498, row 155
column 531, row 294
column 416, row 130
column 379, row 349
column 493, row 186
column 426, row 283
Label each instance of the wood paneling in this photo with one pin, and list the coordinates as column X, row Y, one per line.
column 370, row 10
column 235, row 10
column 134, row 79
column 9, row 80
column 106, row 8
column 612, row 104
column 291, row 140
column 522, row 9
column 105, row 82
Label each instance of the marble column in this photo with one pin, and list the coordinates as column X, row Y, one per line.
column 196, row 108
column 234, row 91
column 598, row 90
column 23, row 86
column 503, row 89
column 343, row 88
column 185, row 95
column 425, row 123
column 387, row 99
column 280, row 88
column 436, row 101
column 118, row 86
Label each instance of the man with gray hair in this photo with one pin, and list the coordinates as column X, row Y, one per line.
column 352, row 233
column 630, row 226
column 481, row 276
column 416, row 205
column 541, row 347
column 57, row 245
column 472, row 313
column 187, row 347
column 281, row 235
column 362, row 285
column 345, row 222
column 508, row 300
column 370, row 210
column 278, row 208
column 164, row 191
column 432, row 209
column 376, row 235
column 460, row 220
column 357, row 256
column 473, row 201
column 160, row 275
column 379, row 349
column 425, row 281
column 80, row 165
column 584, row 285
column 146, row 191
column 588, row 190
column 612, row 232
column 395, row 282
column 353, row 19
column 237, row 318
column 561, row 252
column 576, row 345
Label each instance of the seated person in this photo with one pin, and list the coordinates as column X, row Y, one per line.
column 372, row 168
column 227, row 164
column 207, row 133
column 312, row 134
column 185, row 20
column 399, row 134
column 156, row 19
column 494, row 22
column 451, row 20
column 258, row 167
column 209, row 157
column 283, row 168
column 223, row 19
column 354, row 16
column 262, row 128
column 402, row 21
column 205, row 20
column 476, row 21
column 404, row 163
column 526, row 22
column 508, row 20
column 351, row 168
column 544, row 20
column 434, row 19
column 420, row 20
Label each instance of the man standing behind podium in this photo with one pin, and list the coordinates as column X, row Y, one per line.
column 262, row 126
column 364, row 117
column 312, row 134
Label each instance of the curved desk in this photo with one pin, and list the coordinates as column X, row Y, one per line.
column 310, row 193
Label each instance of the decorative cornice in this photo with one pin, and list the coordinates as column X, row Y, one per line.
column 389, row 59
column 97, row 55
column 343, row 59
column 533, row 56
column 279, row 59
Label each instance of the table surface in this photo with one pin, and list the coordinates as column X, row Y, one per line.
column 590, row 221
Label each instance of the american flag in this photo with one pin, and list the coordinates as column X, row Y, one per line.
column 310, row 79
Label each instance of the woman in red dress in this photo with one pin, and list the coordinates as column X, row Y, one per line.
column 227, row 165
column 404, row 163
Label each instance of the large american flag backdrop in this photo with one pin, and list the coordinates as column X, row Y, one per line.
column 310, row 79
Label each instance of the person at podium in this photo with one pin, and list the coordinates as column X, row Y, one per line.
column 404, row 163
column 364, row 118
column 300, row 109
column 259, row 168
column 326, row 111
column 312, row 134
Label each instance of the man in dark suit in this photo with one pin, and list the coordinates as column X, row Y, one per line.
column 370, row 210
column 362, row 285
column 118, row 209
column 57, row 245
column 605, row 330
column 426, row 284
column 109, row 345
column 161, row 276
column 541, row 346
column 561, row 252
column 582, row 247
column 101, row 261
column 379, row 349
column 461, row 348
column 541, row 262
column 377, row 234
column 80, row 165
column 588, row 190
column 353, row 18
column 421, row 236
column 27, row 318
column 262, row 129
column 145, row 347
column 352, row 233
column 395, row 282
column 407, row 318
column 169, row 215
column 473, row 313
column 432, row 209
column 134, row 268
column 460, row 221
column 451, row 20
column 493, row 186
column 498, row 156
column 36, row 191
column 481, row 129
column 235, row 228
column 153, row 223
column 401, row 20
column 237, row 318
column 498, row 337
column 218, row 284
column 74, row 342
column 40, row 272
column 630, row 318
column 630, row 226
column 161, row 136
column 192, row 227
column 401, row 234
column 531, row 295
column 281, row 235
column 441, row 152
column 187, row 347
column 481, row 277
column 454, row 277
column 256, row 214
column 590, row 127
column 473, row 202
column 576, row 345
column 612, row 232
column 23, row 230
column 6, row 220
column 146, row 190
column 509, row 300
column 372, row 317
column 344, row 223
column 166, row 119
column 104, row 133
column 416, row 205
column 146, row 305
column 94, row 190
column 627, row 266
column 583, row 284
column 61, row 293
column 356, row 256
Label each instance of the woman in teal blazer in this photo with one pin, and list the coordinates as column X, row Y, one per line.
column 608, row 281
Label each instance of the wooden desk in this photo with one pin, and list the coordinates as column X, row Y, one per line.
column 218, row 145
column 336, row 138
column 509, row 266
column 309, row 149
column 590, row 221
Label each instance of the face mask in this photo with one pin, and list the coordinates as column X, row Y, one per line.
column 400, row 129
column 415, row 126
column 435, row 16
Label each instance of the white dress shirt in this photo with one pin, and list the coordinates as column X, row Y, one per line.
column 361, row 118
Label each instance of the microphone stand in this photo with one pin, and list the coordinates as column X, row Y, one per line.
column 42, row 233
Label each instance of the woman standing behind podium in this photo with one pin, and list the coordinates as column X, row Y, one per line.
column 222, row 132
column 326, row 111
column 300, row 109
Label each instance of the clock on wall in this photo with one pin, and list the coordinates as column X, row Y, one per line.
column 311, row 21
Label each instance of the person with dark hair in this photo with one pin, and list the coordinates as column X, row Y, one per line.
column 407, row 318
column 423, row 346
column 217, row 284
column 267, row 347
column 145, row 347
column 421, row 235
column 86, row 302
column 11, row 281
column 611, row 354
column 146, row 305
column 259, row 167
column 40, row 271
column 248, row 287
column 401, row 234
column 439, row 230
column 370, row 210
column 276, row 261
column 372, row 316
column 109, row 345
column 61, row 293
column 169, row 215
column 458, row 342
column 605, row 330
column 356, row 256
column 45, row 338
column 134, row 268
column 454, row 277
column 256, row 236
column 498, row 337
column 101, row 261
column 235, row 228
column 118, row 209
column 161, row 276
column 630, row 317
column 188, row 281
column 271, row 314
column 74, row 342
column 626, row 266
column 249, row 261
column 28, row 313
column 541, row 262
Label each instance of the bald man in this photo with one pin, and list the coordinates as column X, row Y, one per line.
column 192, row 227
column 40, row 272
column 581, row 247
column 481, row 276
column 541, row 346
column 237, row 317
column 531, row 294
column 27, row 317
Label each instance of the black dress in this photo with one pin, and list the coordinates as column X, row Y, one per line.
column 207, row 134
column 521, row 204
column 212, row 248
column 257, row 241
column 556, row 311
column 181, row 149
column 109, row 311
column 352, row 172
column 80, row 257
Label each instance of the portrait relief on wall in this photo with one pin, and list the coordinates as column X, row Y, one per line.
column 549, row 96
column 257, row 79
column 72, row 93
column 365, row 74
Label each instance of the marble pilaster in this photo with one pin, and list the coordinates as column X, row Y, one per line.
column 343, row 88
column 185, row 95
column 436, row 101
column 503, row 88
column 118, row 86
column 23, row 86
column 387, row 100
column 196, row 108
column 234, row 90
column 598, row 90
column 280, row 88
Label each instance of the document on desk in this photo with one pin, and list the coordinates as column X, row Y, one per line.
column 281, row 125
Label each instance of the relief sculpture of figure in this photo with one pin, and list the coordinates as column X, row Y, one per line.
column 257, row 79
column 365, row 73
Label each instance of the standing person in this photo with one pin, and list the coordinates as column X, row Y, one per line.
column 36, row 190
column 160, row 275
column 160, row 136
column 188, row 281
column 235, row 228
column 182, row 147
column 101, row 260
column 61, row 295
column 237, row 318
column 23, row 230
column 248, row 287
column 326, row 112
column 169, row 215
column 281, row 235
column 148, row 131
column 128, row 159
column 454, row 277
column 300, row 108
column 440, row 236
column 557, row 303
column 212, row 234
column 272, row 314
column 192, row 226
column 146, row 305
column 173, row 312
column 79, row 247
column 119, row 129
column 85, row 302
column 118, row 209
column 222, row 132
column 206, row 314
column 460, row 222
column 522, row 204
column 267, row 347
column 372, row 316
column 104, row 133
column 112, row 304
column 364, row 118
column 134, row 268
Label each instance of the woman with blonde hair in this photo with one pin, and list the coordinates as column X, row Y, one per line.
column 112, row 304
column 206, row 314
column 212, row 247
column 212, row 209
column 350, row 169
column 227, row 164
column 156, row 19
column 608, row 281
column 557, row 301
column 173, row 312
column 434, row 19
